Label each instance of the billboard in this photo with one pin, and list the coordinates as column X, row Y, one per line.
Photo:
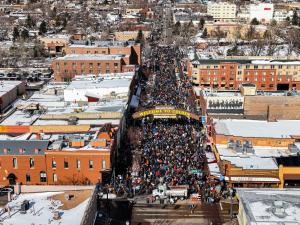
column 225, row 104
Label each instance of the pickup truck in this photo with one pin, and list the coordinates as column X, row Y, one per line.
column 174, row 192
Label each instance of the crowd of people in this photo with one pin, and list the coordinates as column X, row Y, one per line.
column 170, row 151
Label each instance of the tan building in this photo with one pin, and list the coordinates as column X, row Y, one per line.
column 221, row 10
column 129, row 35
column 54, row 44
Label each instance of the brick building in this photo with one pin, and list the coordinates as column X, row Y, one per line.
column 231, row 73
column 67, row 67
column 69, row 159
column 107, row 47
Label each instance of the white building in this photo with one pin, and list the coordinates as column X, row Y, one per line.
column 263, row 12
column 281, row 15
column 268, row 206
column 222, row 10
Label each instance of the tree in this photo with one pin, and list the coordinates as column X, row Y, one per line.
column 16, row 33
column 43, row 27
column 201, row 23
column 295, row 19
column 25, row 34
column 204, row 34
column 140, row 37
column 254, row 21
column 176, row 29
column 29, row 22
column 273, row 23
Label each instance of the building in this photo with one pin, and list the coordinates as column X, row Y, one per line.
column 130, row 35
column 67, row 67
column 9, row 92
column 263, row 12
column 54, row 44
column 222, row 10
column 268, row 206
column 91, row 91
column 248, row 103
column 107, row 47
column 50, row 205
column 252, row 153
column 268, row 75
column 61, row 158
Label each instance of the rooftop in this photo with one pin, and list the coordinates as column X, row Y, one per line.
column 270, row 206
column 257, row 128
column 42, row 207
column 8, row 85
column 91, row 57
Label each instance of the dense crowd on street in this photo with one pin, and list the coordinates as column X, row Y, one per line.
column 170, row 151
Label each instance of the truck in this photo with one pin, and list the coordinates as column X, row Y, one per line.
column 171, row 192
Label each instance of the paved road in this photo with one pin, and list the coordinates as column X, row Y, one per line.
column 177, row 214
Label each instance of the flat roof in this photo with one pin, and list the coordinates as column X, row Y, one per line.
column 89, row 84
column 44, row 207
column 270, row 206
column 258, row 128
column 262, row 157
column 246, row 61
column 8, row 85
column 90, row 57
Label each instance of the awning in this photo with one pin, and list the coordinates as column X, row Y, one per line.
column 291, row 176
column 253, row 179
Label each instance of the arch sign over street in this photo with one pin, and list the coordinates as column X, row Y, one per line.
column 165, row 113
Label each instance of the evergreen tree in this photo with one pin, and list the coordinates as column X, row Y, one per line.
column 204, row 34
column 201, row 24
column 176, row 29
column 29, row 22
column 140, row 37
column 25, row 34
column 16, row 33
column 254, row 21
column 43, row 27
column 295, row 18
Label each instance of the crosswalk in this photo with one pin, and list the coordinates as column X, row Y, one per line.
column 177, row 214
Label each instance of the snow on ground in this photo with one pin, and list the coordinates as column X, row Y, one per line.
column 41, row 211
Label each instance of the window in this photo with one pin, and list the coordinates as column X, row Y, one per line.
column 107, row 71
column 280, row 66
column 263, row 79
column 99, row 65
column 247, row 66
column 107, row 64
column 91, row 164
column 116, row 64
column 255, row 73
column 15, row 163
column 78, row 164
column 43, row 176
column 264, row 73
column 223, row 67
column 255, row 66
column 272, row 66
column 54, row 177
column 31, row 162
column 215, row 67
column 239, row 67
column 231, row 67
column 91, row 65
column 239, row 72
column 103, row 164
column 66, row 164
column 28, row 177
column 53, row 163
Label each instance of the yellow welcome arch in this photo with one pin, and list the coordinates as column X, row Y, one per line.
column 165, row 113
